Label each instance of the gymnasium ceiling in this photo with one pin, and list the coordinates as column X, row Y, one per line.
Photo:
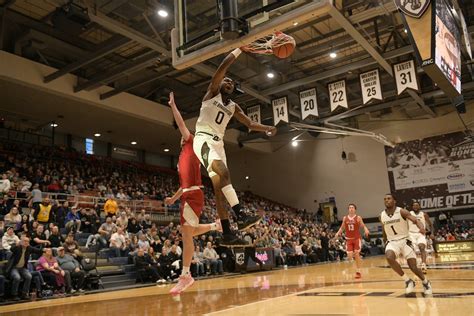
column 101, row 56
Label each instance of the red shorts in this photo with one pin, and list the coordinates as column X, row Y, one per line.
column 192, row 203
column 353, row 245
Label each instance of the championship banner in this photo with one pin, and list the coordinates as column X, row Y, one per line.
column 435, row 35
column 437, row 171
column 370, row 86
column 405, row 76
column 254, row 114
column 280, row 110
column 338, row 94
column 309, row 103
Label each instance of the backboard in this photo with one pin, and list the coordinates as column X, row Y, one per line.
column 197, row 35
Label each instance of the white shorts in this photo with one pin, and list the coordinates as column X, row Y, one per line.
column 208, row 149
column 401, row 247
column 418, row 238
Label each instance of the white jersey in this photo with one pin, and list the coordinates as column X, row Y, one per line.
column 395, row 226
column 214, row 116
column 421, row 218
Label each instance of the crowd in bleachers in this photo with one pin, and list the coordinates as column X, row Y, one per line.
column 47, row 245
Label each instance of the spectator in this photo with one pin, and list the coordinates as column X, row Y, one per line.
column 39, row 239
column 89, row 221
column 4, row 206
column 117, row 243
column 74, row 274
column 197, row 264
column 110, row 207
column 55, row 239
column 72, row 247
column 51, row 271
column 17, row 267
column 143, row 242
column 105, row 232
column 8, row 241
column 144, row 265
column 213, row 260
column 61, row 213
column 133, row 227
column 73, row 221
column 13, row 219
column 36, row 196
column 43, row 212
column 5, row 184
column 122, row 220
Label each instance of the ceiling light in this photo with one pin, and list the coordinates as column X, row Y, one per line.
column 97, row 134
column 133, row 143
column 333, row 55
column 247, row 177
column 162, row 13
column 406, row 31
column 270, row 75
column 295, row 23
column 294, row 143
column 54, row 125
column 166, row 150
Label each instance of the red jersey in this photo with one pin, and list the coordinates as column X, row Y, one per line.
column 352, row 226
column 189, row 167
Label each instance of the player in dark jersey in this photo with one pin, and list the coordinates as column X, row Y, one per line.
column 192, row 199
column 351, row 223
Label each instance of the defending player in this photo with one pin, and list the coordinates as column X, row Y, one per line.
column 216, row 111
column 395, row 228
column 351, row 224
column 416, row 236
column 192, row 199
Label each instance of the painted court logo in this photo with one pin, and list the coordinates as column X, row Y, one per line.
column 413, row 8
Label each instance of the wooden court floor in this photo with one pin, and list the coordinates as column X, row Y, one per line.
column 326, row 289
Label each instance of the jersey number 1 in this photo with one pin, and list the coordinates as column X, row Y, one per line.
column 219, row 117
column 393, row 229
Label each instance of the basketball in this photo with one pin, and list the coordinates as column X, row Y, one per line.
column 284, row 51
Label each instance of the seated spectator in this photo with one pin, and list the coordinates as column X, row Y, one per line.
column 89, row 221
column 43, row 213
column 105, row 232
column 73, row 270
column 25, row 224
column 61, row 213
column 4, row 206
column 197, row 264
column 133, row 226
column 51, row 272
column 145, row 265
column 38, row 239
column 5, row 184
column 143, row 242
column 13, row 218
column 17, row 267
column 73, row 221
column 55, row 239
column 122, row 220
column 213, row 260
column 117, row 243
column 8, row 241
column 111, row 207
column 72, row 247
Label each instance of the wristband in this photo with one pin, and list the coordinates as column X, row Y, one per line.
column 236, row 52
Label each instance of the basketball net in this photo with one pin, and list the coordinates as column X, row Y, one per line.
column 265, row 45
column 342, row 130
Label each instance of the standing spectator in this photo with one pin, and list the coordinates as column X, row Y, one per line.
column 111, row 207
column 17, row 267
column 213, row 260
column 73, row 221
column 117, row 242
column 9, row 240
column 5, row 184
column 13, row 219
column 73, row 270
column 324, row 246
column 36, row 196
column 51, row 271
column 43, row 212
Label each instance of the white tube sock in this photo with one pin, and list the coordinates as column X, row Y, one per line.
column 230, row 195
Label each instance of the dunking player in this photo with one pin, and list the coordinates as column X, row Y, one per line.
column 216, row 111
column 351, row 223
column 192, row 199
column 395, row 228
column 416, row 236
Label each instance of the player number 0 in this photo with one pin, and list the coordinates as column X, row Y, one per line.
column 219, row 117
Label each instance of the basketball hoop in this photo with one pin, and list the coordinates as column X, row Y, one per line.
column 266, row 45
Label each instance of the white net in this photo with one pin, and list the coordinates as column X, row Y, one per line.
column 265, row 45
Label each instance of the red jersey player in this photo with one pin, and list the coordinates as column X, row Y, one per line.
column 351, row 223
column 192, row 199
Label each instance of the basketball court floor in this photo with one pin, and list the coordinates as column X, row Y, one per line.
column 326, row 289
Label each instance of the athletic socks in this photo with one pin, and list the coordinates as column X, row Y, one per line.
column 225, row 226
column 405, row 277
column 185, row 271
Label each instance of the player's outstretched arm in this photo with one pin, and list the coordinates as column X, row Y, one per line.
column 253, row 126
column 178, row 118
column 176, row 196
column 366, row 230
column 219, row 75
column 406, row 215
